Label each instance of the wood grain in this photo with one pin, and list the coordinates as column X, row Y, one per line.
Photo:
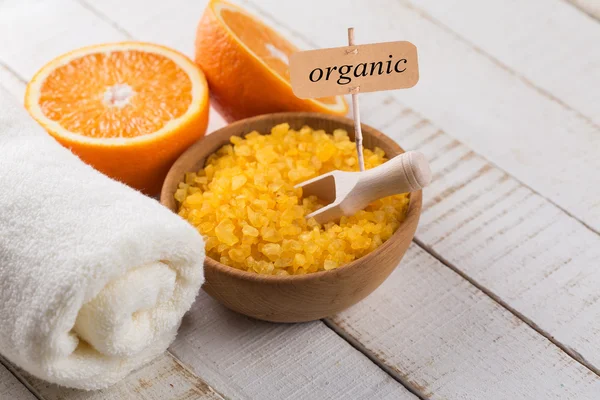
column 346, row 193
column 163, row 379
column 11, row 388
column 519, row 247
column 441, row 336
column 295, row 298
column 171, row 23
column 486, row 105
column 547, row 43
column 245, row 358
column 57, row 19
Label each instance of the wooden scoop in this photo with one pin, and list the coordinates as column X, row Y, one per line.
column 348, row 192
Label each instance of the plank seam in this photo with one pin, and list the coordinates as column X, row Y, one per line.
column 105, row 18
column 583, row 10
column 23, row 380
column 499, row 63
column 489, row 163
column 272, row 20
column 191, row 372
column 570, row 352
column 10, row 367
column 412, row 387
column 14, row 73
column 439, row 24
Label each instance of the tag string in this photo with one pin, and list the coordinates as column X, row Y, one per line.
column 358, row 137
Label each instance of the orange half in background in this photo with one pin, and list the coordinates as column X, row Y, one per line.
column 246, row 65
column 128, row 109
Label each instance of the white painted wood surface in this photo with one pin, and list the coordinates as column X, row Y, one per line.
column 11, row 83
column 11, row 388
column 514, row 244
column 440, row 335
column 248, row 359
column 548, row 43
column 164, row 378
column 510, row 241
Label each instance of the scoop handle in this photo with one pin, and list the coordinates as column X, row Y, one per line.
column 407, row 172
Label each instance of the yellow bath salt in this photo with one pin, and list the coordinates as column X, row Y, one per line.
column 245, row 205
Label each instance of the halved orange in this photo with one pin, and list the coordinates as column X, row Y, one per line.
column 128, row 109
column 246, row 65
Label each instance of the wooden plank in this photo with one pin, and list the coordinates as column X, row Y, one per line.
column 248, row 359
column 163, row 379
column 11, row 388
column 513, row 243
column 33, row 32
column 12, row 83
column 550, row 44
column 590, row 7
column 473, row 98
column 443, row 337
column 178, row 30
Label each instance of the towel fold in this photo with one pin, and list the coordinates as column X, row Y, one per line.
column 94, row 276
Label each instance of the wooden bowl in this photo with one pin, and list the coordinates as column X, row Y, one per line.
column 301, row 297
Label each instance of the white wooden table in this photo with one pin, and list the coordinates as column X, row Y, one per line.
column 499, row 296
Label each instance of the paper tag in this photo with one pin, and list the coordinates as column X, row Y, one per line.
column 368, row 67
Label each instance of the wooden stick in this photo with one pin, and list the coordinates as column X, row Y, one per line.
column 356, row 113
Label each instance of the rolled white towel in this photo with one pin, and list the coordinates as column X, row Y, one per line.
column 94, row 276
